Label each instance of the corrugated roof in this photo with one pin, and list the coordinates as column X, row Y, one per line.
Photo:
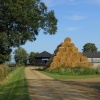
column 92, row 54
column 43, row 54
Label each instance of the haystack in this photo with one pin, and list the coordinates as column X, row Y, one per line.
column 66, row 54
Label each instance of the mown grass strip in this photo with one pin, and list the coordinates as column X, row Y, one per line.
column 15, row 86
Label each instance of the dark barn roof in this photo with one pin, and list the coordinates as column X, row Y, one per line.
column 92, row 54
column 43, row 55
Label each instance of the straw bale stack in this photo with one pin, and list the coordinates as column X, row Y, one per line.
column 66, row 54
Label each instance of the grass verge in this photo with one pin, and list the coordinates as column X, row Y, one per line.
column 15, row 86
column 63, row 77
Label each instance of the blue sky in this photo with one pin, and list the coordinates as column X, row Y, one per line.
column 77, row 19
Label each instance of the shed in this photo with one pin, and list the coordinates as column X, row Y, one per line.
column 43, row 57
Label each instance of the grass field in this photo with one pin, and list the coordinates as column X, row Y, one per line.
column 15, row 86
column 58, row 76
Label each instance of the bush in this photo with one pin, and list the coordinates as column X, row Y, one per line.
column 75, row 70
column 53, row 70
column 97, row 70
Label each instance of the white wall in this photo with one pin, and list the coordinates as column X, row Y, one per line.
column 94, row 61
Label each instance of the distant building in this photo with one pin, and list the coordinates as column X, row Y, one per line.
column 42, row 58
column 94, row 57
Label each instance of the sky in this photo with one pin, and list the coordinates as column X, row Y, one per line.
column 77, row 19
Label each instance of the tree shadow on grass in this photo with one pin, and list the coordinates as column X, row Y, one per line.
column 17, row 90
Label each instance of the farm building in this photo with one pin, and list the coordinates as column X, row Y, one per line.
column 94, row 57
column 42, row 58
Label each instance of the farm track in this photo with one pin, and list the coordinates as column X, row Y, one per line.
column 43, row 87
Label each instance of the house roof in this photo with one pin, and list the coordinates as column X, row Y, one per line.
column 43, row 54
column 92, row 54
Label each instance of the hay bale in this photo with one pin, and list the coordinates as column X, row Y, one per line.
column 61, row 64
column 56, row 59
column 69, row 49
column 65, row 45
column 53, row 65
column 71, row 45
column 66, row 54
column 67, row 40
column 59, row 54
column 83, row 58
column 89, row 64
column 68, row 64
column 75, row 50
column 62, row 49
column 80, row 54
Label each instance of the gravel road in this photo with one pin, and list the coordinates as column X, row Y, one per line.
column 43, row 87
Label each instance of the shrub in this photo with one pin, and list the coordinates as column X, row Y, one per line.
column 52, row 70
column 62, row 71
column 97, row 70
column 75, row 70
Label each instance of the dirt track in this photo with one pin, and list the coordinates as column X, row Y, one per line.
column 42, row 87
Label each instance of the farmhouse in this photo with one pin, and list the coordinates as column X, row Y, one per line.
column 94, row 57
column 42, row 58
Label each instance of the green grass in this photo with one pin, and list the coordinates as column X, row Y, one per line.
column 15, row 86
column 59, row 77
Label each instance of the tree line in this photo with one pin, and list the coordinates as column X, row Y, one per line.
column 21, row 57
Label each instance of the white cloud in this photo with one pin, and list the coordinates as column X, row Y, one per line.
column 76, row 17
column 73, row 28
column 51, row 3
column 93, row 1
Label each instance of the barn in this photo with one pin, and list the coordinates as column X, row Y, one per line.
column 42, row 58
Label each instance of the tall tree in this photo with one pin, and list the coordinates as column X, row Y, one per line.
column 21, row 20
column 89, row 47
column 21, row 56
column 32, row 57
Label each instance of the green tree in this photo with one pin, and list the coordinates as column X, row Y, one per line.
column 20, row 21
column 32, row 57
column 21, row 56
column 89, row 47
